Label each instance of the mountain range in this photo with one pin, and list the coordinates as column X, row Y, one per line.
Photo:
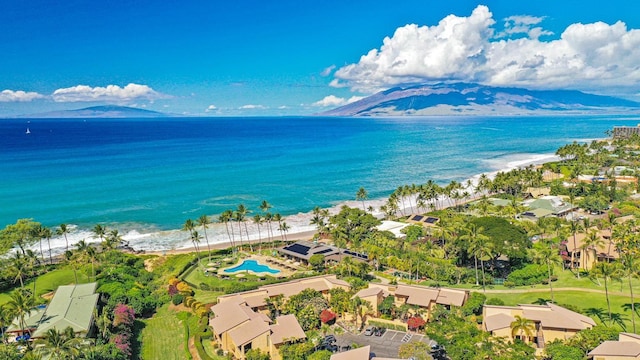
column 104, row 111
column 475, row 99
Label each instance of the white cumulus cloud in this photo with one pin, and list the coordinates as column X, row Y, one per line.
column 585, row 56
column 19, row 96
column 252, row 107
column 211, row 108
column 327, row 71
column 113, row 93
column 332, row 100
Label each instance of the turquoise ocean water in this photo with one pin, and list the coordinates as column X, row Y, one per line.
column 147, row 176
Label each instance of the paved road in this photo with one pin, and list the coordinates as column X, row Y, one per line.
column 386, row 345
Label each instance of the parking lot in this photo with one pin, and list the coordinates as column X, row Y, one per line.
column 386, row 345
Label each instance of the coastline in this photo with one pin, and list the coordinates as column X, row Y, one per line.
column 176, row 241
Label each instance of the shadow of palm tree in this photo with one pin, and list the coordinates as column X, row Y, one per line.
column 620, row 320
column 597, row 312
column 627, row 307
column 541, row 301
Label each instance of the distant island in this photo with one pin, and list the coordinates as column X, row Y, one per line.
column 475, row 99
column 104, row 111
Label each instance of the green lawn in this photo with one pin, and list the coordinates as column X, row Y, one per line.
column 163, row 336
column 48, row 282
column 566, row 279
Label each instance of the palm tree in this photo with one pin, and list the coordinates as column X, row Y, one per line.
column 277, row 217
column 203, row 221
column 225, row 217
column 99, row 231
column 88, row 253
column 238, row 217
column 244, row 211
column 362, row 195
column 31, row 260
column 575, row 227
column 61, row 346
column 5, row 320
column 478, row 245
column 40, row 232
column 46, row 233
column 547, row 255
column 112, row 241
column 20, row 304
column 522, row 325
column 18, row 268
column 258, row 219
column 284, row 228
column 63, row 230
column 628, row 261
column 70, row 258
column 195, row 239
column 608, row 272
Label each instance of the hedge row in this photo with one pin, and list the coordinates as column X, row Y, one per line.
column 388, row 326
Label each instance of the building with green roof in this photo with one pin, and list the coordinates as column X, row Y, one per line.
column 71, row 306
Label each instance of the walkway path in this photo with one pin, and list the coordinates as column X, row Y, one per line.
column 522, row 291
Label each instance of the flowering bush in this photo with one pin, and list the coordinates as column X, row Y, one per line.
column 123, row 343
column 123, row 315
column 172, row 290
column 326, row 316
column 415, row 323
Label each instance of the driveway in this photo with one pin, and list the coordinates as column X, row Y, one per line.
column 386, row 345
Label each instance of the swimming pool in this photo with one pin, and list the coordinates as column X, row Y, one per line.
column 252, row 265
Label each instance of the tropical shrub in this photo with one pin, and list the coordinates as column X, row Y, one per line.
column 415, row 323
column 529, row 275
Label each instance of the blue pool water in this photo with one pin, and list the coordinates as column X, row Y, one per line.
column 252, row 265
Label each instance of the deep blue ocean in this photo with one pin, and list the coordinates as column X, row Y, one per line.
column 152, row 174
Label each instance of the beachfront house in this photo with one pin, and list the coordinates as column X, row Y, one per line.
column 549, row 323
column 626, row 348
column 71, row 306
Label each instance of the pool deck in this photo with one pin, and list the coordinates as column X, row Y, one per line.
column 286, row 270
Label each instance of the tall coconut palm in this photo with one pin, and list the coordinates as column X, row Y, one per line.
column 32, row 262
column 265, row 207
column 284, row 228
column 69, row 256
column 63, row 229
column 18, row 268
column 203, row 221
column 267, row 218
column 40, row 232
column 112, row 240
column 575, row 227
column 277, row 217
column 99, row 231
column 47, row 233
column 87, row 253
column 478, row 243
column 244, row 211
column 544, row 253
column 224, row 218
column 629, row 263
column 521, row 325
column 608, row 272
column 258, row 220
column 362, row 195
column 195, row 239
column 20, row 304
column 238, row 217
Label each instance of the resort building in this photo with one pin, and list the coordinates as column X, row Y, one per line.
column 238, row 328
column 421, row 296
column 302, row 251
column 584, row 252
column 240, row 320
column 71, row 306
column 550, row 322
column 363, row 353
column 626, row 348
column 622, row 132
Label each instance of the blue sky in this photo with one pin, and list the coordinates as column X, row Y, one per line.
column 246, row 57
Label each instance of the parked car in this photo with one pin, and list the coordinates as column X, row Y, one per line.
column 330, row 339
column 369, row 331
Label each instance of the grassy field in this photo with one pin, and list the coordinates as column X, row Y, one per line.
column 163, row 336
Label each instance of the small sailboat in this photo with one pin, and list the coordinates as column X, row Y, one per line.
column 28, row 131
